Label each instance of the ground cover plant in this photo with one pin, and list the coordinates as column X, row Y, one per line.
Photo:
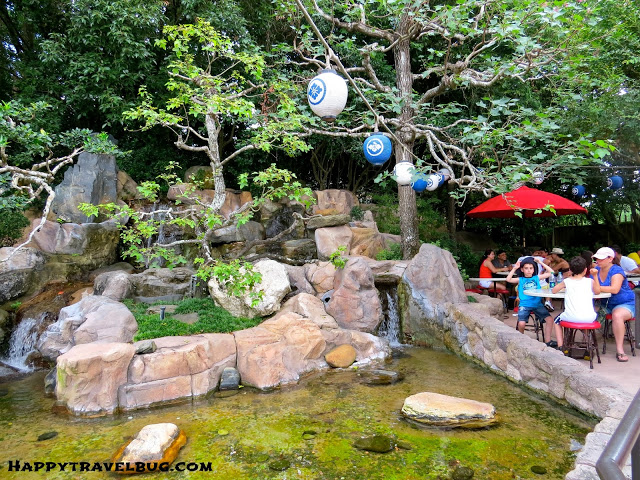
column 211, row 319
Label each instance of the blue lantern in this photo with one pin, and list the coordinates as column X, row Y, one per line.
column 578, row 190
column 377, row 149
column 420, row 183
column 327, row 95
column 615, row 182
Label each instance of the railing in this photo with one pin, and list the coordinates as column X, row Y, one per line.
column 623, row 442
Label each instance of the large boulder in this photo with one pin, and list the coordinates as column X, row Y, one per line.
column 329, row 239
column 161, row 284
column 89, row 376
column 279, row 351
column 355, row 304
column 430, row 285
column 126, row 187
column 18, row 271
column 116, row 285
column 320, row 275
column 94, row 319
column 179, row 368
column 93, row 179
column 188, row 195
column 274, row 286
column 334, row 200
column 298, row 280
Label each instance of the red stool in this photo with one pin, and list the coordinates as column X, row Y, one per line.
column 628, row 333
column 589, row 343
column 474, row 290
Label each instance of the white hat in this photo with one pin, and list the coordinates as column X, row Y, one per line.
column 557, row 251
column 604, row 252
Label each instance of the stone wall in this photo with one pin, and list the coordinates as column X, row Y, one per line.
column 469, row 330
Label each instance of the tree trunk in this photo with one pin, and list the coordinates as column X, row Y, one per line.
column 451, row 213
column 407, row 209
column 220, row 192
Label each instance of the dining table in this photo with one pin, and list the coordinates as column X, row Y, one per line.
column 546, row 293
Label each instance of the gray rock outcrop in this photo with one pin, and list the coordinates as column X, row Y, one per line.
column 18, row 273
column 93, row 179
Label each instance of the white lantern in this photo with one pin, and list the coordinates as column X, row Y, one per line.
column 538, row 178
column 327, row 95
column 445, row 174
column 403, row 172
column 433, row 182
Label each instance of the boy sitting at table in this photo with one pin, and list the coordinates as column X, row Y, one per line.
column 527, row 280
column 578, row 300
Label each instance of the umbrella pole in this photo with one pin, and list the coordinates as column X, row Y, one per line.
column 524, row 242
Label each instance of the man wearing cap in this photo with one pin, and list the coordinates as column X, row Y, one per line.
column 556, row 262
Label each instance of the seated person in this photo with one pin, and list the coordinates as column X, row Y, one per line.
column 578, row 301
column 556, row 262
column 501, row 260
column 487, row 270
column 528, row 279
column 628, row 265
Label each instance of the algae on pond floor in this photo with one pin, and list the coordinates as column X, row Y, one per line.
column 256, row 435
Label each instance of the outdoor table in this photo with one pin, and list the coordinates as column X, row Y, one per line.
column 546, row 293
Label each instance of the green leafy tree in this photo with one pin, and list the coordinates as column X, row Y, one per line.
column 414, row 67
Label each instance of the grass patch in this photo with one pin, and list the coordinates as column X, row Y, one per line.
column 211, row 319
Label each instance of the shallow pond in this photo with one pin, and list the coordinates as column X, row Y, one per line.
column 313, row 427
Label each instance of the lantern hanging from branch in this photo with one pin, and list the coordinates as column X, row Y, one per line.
column 538, row 178
column 403, row 173
column 433, row 182
column 377, row 149
column 445, row 174
column 578, row 190
column 420, row 183
column 615, row 182
column 327, row 95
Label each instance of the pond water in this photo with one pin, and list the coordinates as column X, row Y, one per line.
column 312, row 427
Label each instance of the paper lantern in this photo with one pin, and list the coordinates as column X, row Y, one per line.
column 615, row 182
column 433, row 182
column 377, row 148
column 403, row 172
column 578, row 190
column 420, row 183
column 327, row 95
column 445, row 174
column 538, row 178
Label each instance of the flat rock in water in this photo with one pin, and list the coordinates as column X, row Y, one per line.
column 443, row 410
column 230, row 379
column 159, row 442
column 380, row 377
column 375, row 443
column 341, row 357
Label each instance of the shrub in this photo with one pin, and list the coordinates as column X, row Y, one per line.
column 11, row 224
column 394, row 252
column 211, row 319
column 357, row 213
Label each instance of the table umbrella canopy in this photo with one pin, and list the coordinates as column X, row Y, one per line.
column 526, row 201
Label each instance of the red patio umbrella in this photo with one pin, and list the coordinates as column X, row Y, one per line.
column 526, row 201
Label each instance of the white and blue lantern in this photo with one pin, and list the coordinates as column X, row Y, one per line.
column 445, row 174
column 615, row 182
column 538, row 178
column 434, row 181
column 377, row 149
column 420, row 183
column 403, row 173
column 578, row 190
column 327, row 95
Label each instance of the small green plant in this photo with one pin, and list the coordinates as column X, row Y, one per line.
column 472, row 299
column 15, row 306
column 394, row 252
column 337, row 259
column 357, row 213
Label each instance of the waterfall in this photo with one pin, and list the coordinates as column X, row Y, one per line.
column 389, row 329
column 23, row 341
column 163, row 235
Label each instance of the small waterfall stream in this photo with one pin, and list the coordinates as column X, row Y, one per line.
column 390, row 326
column 23, row 341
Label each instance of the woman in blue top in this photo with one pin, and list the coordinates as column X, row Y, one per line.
column 621, row 304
